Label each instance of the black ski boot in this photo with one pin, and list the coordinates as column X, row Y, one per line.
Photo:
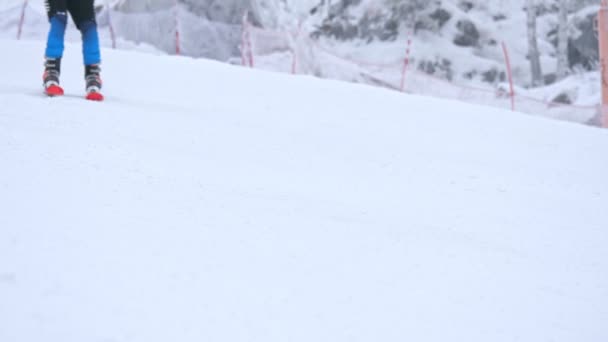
column 50, row 78
column 93, row 82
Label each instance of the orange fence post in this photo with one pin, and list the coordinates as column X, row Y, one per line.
column 406, row 62
column 509, row 75
column 112, row 33
column 244, row 60
column 21, row 20
column 296, row 49
column 603, row 41
column 246, row 45
column 177, row 35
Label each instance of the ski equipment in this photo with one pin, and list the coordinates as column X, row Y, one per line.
column 50, row 78
column 93, row 83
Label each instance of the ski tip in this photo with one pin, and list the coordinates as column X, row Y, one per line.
column 54, row 90
column 95, row 96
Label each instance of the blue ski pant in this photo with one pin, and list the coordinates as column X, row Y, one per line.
column 83, row 15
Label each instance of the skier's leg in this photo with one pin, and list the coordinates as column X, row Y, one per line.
column 57, row 13
column 83, row 13
column 58, row 18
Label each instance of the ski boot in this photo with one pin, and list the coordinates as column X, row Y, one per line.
column 50, row 78
column 93, row 82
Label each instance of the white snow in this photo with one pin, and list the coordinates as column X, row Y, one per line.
column 207, row 202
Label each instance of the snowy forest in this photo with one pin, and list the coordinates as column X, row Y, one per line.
column 560, row 33
column 552, row 43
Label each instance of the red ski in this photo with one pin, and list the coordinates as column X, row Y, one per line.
column 95, row 96
column 54, row 90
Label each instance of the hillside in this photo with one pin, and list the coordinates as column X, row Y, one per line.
column 207, row 202
column 456, row 45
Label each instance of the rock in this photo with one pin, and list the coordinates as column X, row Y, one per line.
column 468, row 34
column 563, row 98
column 466, row 5
column 499, row 17
column 441, row 68
column 583, row 50
column 494, row 76
column 441, row 16
column 550, row 78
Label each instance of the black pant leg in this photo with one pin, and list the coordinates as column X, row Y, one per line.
column 55, row 6
column 82, row 11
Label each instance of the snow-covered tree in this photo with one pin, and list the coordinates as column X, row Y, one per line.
column 562, row 40
column 533, row 52
column 414, row 12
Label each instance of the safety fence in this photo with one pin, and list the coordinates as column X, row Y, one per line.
column 177, row 31
column 168, row 26
column 297, row 52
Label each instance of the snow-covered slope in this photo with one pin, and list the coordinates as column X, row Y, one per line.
column 212, row 29
column 206, row 202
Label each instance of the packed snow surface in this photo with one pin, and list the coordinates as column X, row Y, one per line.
column 207, row 202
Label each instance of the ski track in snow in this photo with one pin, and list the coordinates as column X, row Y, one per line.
column 203, row 201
